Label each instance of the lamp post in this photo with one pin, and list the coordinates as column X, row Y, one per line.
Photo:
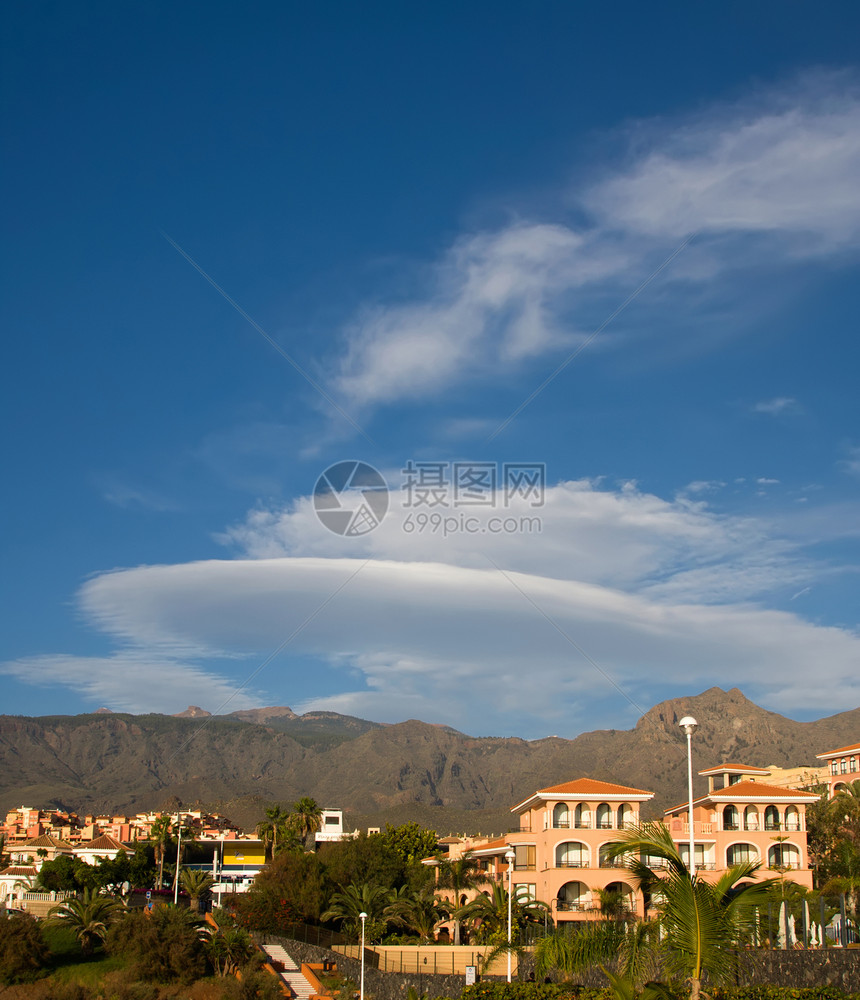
column 689, row 724
column 362, row 916
column 178, row 850
column 509, row 857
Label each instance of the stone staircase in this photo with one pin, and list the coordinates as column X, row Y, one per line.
column 288, row 971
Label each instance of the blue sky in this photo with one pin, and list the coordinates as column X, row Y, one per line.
column 246, row 243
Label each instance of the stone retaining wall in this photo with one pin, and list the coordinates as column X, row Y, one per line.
column 830, row 966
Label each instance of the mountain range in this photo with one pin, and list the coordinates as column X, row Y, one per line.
column 108, row 762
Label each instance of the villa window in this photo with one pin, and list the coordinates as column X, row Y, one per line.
column 852, row 764
column 524, row 857
column 751, row 820
column 571, row 854
column 730, row 818
column 783, row 856
column 561, row 816
column 525, row 892
column 582, row 817
column 741, row 853
column 771, row 818
column 604, row 817
column 834, row 767
column 792, row 818
column 625, row 816
column 843, row 766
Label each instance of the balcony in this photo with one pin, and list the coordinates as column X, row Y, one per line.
column 573, row 864
column 560, row 824
column 574, row 906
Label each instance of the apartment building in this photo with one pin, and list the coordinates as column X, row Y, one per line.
column 843, row 766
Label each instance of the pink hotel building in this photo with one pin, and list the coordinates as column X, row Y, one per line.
column 560, row 847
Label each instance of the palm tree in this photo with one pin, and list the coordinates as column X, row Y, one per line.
column 417, row 911
column 701, row 920
column 195, row 883
column 307, row 817
column 268, row 829
column 459, row 875
column 229, row 950
column 88, row 916
column 161, row 837
column 489, row 912
column 366, row 898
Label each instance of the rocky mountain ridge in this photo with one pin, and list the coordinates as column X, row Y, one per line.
column 127, row 763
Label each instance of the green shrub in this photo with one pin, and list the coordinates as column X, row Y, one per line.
column 23, row 952
column 165, row 946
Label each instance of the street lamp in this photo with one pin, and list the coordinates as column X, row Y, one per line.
column 178, row 852
column 689, row 724
column 362, row 916
column 509, row 857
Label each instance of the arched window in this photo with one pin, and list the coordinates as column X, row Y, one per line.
column 571, row 854
column 783, row 856
column 561, row 816
column 625, row 815
column 739, row 853
column 604, row 817
column 843, row 766
column 852, row 761
column 751, row 818
column 730, row 818
column 617, row 899
column 792, row 818
column 771, row 818
column 834, row 767
column 573, row 896
column 582, row 817
column 607, row 862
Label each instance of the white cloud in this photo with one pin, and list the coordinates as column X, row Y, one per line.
column 780, row 167
column 783, row 162
column 133, row 681
column 652, row 590
column 851, row 464
column 781, row 404
column 444, row 636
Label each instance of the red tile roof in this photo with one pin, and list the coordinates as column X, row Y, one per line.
column 20, row 870
column 46, row 840
column 759, row 789
column 589, row 786
column 744, row 768
column 833, row 753
column 103, row 843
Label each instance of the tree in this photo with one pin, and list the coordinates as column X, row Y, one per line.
column 161, row 837
column 346, row 906
column 23, row 951
column 307, row 818
column 269, row 828
column 489, row 914
column 286, row 892
column 196, row 883
column 701, row 920
column 89, row 917
column 166, row 944
column 417, row 910
column 459, row 875
column 412, row 843
column 229, row 950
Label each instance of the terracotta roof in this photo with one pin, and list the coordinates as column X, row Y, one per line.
column 742, row 768
column 490, row 847
column 746, row 790
column 758, row 789
column 46, row 840
column 841, row 750
column 589, row 786
column 583, row 788
column 20, row 870
column 103, row 843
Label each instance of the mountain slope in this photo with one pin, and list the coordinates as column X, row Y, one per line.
column 127, row 763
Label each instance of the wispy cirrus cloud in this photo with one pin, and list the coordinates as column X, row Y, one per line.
column 776, row 406
column 780, row 166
